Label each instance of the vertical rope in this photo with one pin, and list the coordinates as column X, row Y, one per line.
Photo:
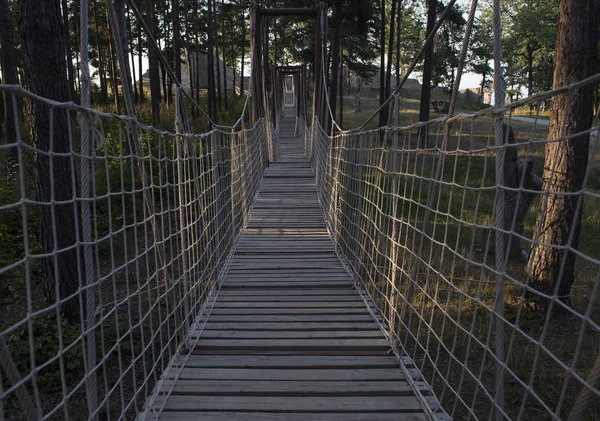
column 499, row 212
column 179, row 128
column 90, row 297
column 395, row 228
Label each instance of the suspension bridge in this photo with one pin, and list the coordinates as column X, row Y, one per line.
column 284, row 268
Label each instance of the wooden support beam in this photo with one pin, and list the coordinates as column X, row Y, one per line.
column 290, row 11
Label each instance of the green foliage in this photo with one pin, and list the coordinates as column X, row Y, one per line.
column 481, row 51
column 447, row 46
column 48, row 345
column 529, row 41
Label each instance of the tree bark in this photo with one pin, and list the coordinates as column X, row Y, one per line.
column 357, row 95
column 382, row 55
column 140, row 70
column 341, row 87
column 234, row 70
column 132, row 54
column 210, row 66
column 530, row 72
column 9, row 76
column 101, row 67
column 224, row 49
column 552, row 269
column 176, row 40
column 68, row 50
column 427, row 70
column 400, row 7
column 113, row 62
column 243, row 58
column 384, row 113
column 153, row 64
column 218, row 67
column 482, row 89
column 126, row 85
column 335, row 56
column 46, row 75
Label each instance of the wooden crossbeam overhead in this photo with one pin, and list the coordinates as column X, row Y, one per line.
column 265, row 76
column 291, row 11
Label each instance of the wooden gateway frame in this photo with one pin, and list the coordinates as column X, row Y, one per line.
column 265, row 77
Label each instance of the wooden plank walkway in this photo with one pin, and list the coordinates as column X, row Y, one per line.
column 288, row 337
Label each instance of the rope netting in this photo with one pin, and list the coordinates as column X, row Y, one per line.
column 415, row 224
column 445, row 227
column 125, row 230
column 162, row 218
column 122, row 232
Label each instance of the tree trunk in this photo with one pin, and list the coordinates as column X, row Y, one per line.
column 482, row 90
column 192, row 76
column 427, row 70
column 9, row 76
column 113, row 62
column 530, row 73
column 153, row 65
column 243, row 58
column 400, row 7
column 384, row 114
column 126, row 85
column 176, row 40
column 76, row 31
column 382, row 55
column 224, row 49
column 218, row 67
column 140, row 70
column 46, row 75
column 68, row 50
column 234, row 70
column 357, row 95
column 551, row 269
column 164, row 78
column 335, row 56
column 341, row 87
column 210, row 66
column 197, row 56
column 132, row 54
column 101, row 67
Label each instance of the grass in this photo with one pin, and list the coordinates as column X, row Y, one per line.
column 446, row 311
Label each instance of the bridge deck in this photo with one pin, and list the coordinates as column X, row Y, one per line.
column 288, row 337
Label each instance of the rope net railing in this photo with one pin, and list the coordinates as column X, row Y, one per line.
column 412, row 211
column 123, row 241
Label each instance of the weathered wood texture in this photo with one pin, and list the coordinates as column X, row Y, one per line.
column 288, row 338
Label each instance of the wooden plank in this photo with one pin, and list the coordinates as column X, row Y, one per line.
column 292, row 416
column 372, row 344
column 292, row 318
column 268, row 303
column 290, row 388
column 285, row 293
column 281, row 299
column 292, row 361
column 287, row 283
column 286, row 403
column 288, row 337
column 343, row 373
column 297, row 326
column 286, row 311
column 265, row 334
